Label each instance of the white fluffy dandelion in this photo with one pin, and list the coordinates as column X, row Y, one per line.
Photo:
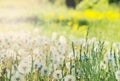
column 17, row 77
column 117, row 75
column 103, row 65
column 25, row 65
column 69, row 78
column 57, row 74
column 37, row 66
column 54, row 36
column 62, row 40
column 24, row 68
column 45, row 71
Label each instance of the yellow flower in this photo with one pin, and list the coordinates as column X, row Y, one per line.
column 112, row 15
column 100, row 16
column 75, row 27
column 61, row 17
column 91, row 14
column 83, row 29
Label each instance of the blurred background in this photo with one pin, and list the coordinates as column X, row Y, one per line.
column 71, row 18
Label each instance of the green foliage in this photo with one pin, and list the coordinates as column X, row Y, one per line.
column 83, row 22
column 113, row 1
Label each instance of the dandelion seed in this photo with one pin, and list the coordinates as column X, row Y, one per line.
column 17, row 77
column 102, row 65
column 13, row 71
column 54, row 36
column 60, row 59
column 70, row 55
column 25, row 65
column 62, row 40
column 45, row 71
column 62, row 49
column 117, row 75
column 69, row 78
column 68, row 65
column 11, row 53
column 57, row 74
column 24, row 68
column 78, row 73
column 37, row 66
column 21, row 51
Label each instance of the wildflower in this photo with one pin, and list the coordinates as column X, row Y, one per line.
column 69, row 78
column 21, row 51
column 83, row 29
column 92, row 14
column 53, row 66
column 78, row 73
column 68, row 65
column 25, row 65
column 62, row 40
column 102, row 65
column 15, row 46
column 61, row 17
column 70, row 55
column 17, row 77
column 57, row 74
column 62, row 49
column 61, row 59
column 75, row 27
column 54, row 51
column 110, row 57
column 54, row 36
column 12, row 71
column 111, row 15
column 36, row 51
column 37, row 66
column 24, row 68
column 45, row 71
column 11, row 53
column 117, row 75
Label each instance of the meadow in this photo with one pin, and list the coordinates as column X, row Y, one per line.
column 47, row 42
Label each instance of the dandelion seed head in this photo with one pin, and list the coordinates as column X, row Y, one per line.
column 37, row 65
column 45, row 71
column 17, row 77
column 57, row 74
column 69, row 78
column 117, row 75
column 62, row 40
